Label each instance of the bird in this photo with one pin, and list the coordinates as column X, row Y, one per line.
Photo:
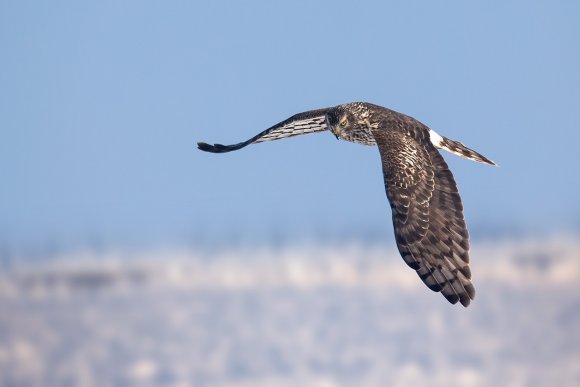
column 427, row 211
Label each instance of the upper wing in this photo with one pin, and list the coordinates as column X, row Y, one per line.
column 301, row 123
column 428, row 217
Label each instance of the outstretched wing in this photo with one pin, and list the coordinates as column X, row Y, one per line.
column 428, row 217
column 301, row 123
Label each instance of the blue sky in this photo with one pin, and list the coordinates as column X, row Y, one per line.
column 101, row 105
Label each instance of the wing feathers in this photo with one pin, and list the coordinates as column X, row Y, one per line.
column 303, row 123
column 427, row 214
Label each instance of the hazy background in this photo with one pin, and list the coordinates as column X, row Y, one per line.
column 113, row 226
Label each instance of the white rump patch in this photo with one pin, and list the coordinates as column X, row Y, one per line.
column 436, row 139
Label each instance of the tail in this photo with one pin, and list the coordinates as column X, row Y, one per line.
column 461, row 150
column 457, row 148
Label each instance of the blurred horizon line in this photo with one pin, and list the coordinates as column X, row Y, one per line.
column 231, row 240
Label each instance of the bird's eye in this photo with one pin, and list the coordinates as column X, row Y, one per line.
column 343, row 123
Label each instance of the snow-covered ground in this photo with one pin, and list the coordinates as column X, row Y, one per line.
column 301, row 316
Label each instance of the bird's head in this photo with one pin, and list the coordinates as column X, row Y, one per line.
column 338, row 120
column 349, row 122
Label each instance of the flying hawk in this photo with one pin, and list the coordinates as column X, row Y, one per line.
column 427, row 211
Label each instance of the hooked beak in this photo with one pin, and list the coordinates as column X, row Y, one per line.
column 335, row 132
column 332, row 128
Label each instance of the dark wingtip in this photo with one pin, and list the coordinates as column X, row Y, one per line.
column 205, row 147
column 220, row 148
column 215, row 148
column 465, row 301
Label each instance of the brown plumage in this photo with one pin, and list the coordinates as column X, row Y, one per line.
column 427, row 211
